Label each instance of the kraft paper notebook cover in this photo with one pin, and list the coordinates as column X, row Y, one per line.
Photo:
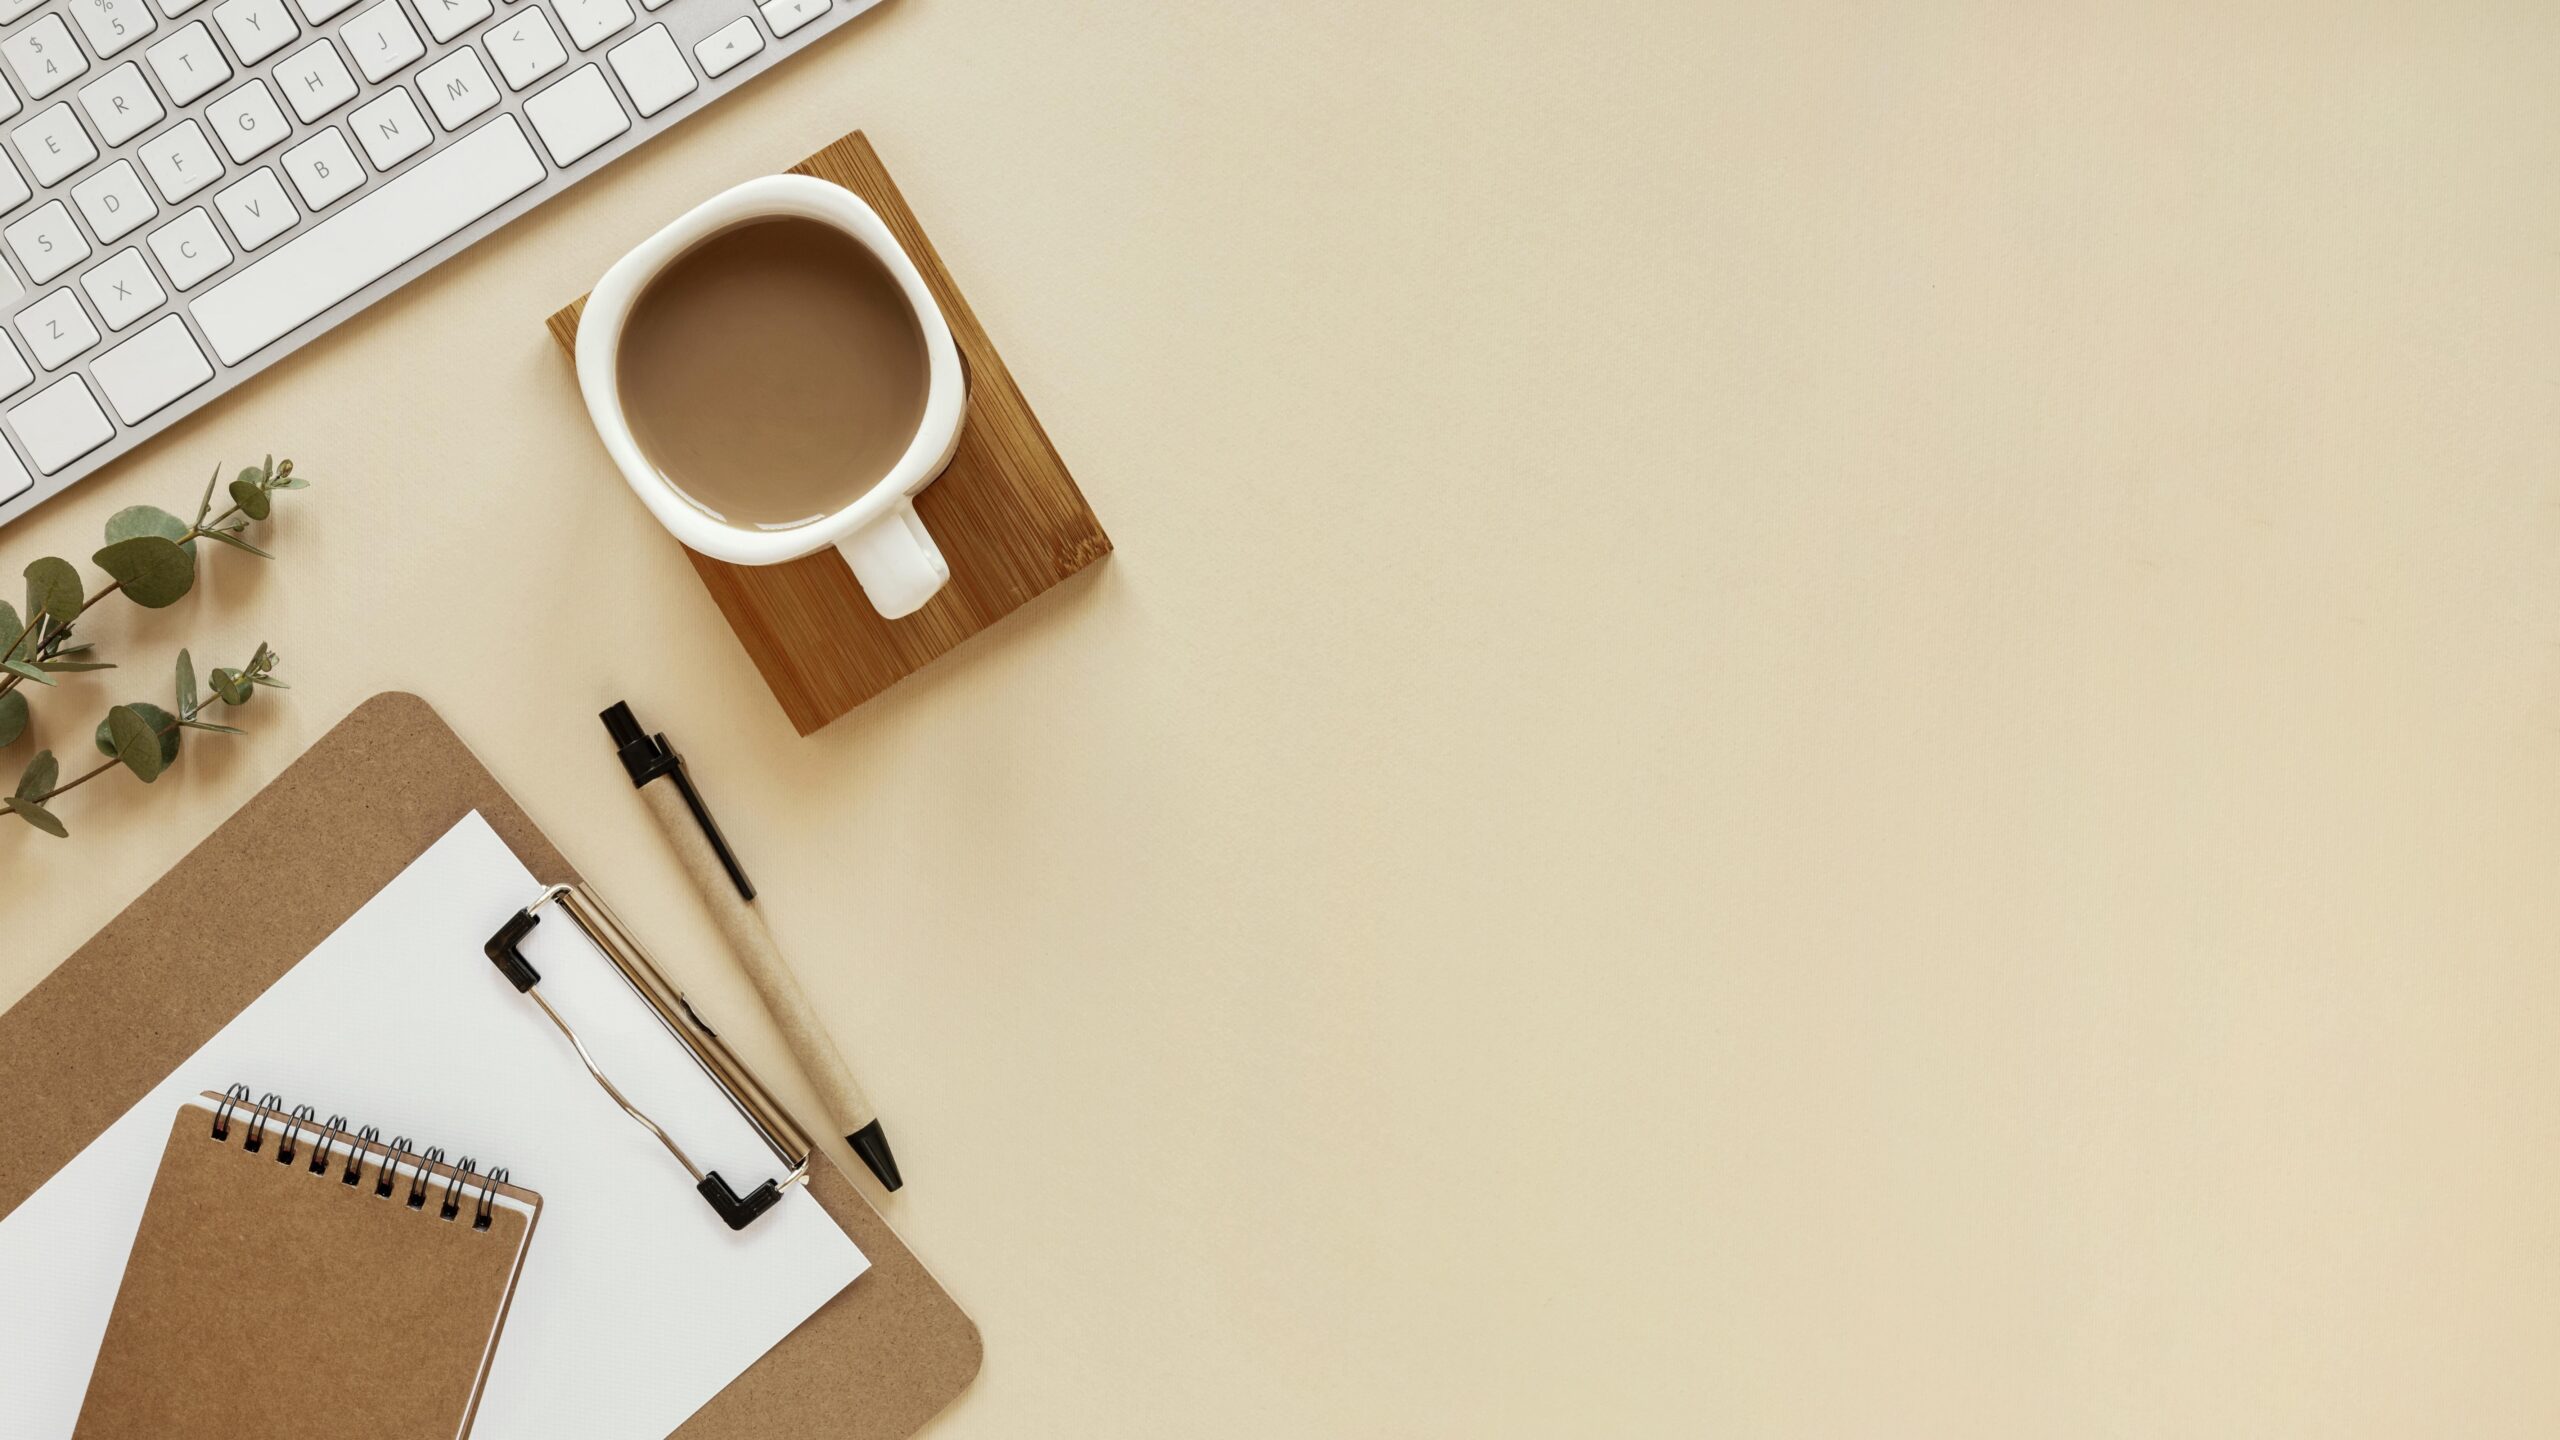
column 98, row 1034
column 253, row 1302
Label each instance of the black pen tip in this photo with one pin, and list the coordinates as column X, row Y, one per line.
column 872, row 1144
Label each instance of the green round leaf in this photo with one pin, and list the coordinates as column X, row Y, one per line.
column 39, row 775
column 136, row 746
column 145, row 520
column 251, row 499
column 156, row 571
column 232, row 686
column 54, row 588
column 186, row 683
column 13, row 716
column 38, row 816
column 155, row 721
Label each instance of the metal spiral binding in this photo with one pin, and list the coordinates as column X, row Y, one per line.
column 300, row 1134
column 302, row 1115
column 382, row 1178
column 258, row 1120
column 418, row 1182
column 488, row 1193
column 462, row 1171
column 320, row 1152
column 366, row 1139
column 232, row 1095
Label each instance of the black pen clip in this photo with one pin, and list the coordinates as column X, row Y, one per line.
column 710, row 827
column 646, row 758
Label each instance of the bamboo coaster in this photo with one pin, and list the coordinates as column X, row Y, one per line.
column 1006, row 513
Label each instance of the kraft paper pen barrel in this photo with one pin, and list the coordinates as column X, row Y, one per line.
column 659, row 774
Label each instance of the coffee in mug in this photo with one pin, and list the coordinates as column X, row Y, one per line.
column 773, row 376
column 774, row 372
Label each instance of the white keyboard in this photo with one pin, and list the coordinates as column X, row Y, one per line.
column 189, row 189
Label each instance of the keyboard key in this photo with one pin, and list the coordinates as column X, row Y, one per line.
column 189, row 64
column 60, row 423
column 652, row 69
column 123, row 289
column 13, row 186
column 121, row 104
column 448, row 18
column 248, row 121
column 401, row 219
column 56, row 328
column 255, row 28
column 47, row 242
column 786, row 16
column 175, row 8
column 382, row 40
column 391, row 128
column 458, row 87
column 14, row 376
column 8, row 106
column 54, row 144
column 45, row 57
column 316, row 11
column 590, row 21
column 190, row 249
column 111, row 25
column 14, row 479
column 526, row 48
column 13, row 9
column 181, row 161
column 576, row 115
column 159, row 364
column 315, row 80
column 256, row 208
column 323, row 168
column 723, row 48
column 114, row 202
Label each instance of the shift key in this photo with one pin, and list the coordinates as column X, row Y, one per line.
column 393, row 225
column 159, row 364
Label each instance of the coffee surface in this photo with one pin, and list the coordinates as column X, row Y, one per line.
column 774, row 372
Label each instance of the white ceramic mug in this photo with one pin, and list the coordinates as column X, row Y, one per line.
column 879, row 533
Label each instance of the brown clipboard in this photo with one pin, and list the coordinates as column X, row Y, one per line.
column 91, row 1039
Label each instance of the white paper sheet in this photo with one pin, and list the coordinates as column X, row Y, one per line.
column 636, row 1304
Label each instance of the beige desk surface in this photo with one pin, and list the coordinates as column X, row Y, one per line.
column 1815, row 720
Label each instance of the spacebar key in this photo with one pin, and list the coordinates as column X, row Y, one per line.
column 364, row 242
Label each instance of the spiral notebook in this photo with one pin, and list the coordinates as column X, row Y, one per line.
column 287, row 1266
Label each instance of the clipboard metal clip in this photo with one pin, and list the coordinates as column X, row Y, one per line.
column 791, row 1146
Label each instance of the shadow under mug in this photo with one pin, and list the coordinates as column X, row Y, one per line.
column 879, row 533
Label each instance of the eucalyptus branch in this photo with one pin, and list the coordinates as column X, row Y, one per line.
column 220, row 528
column 142, row 738
column 151, row 559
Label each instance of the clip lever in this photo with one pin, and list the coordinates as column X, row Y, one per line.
column 735, row 1209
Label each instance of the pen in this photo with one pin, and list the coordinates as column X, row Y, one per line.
column 714, row 868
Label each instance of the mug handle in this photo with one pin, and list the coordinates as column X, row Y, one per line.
column 896, row 561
